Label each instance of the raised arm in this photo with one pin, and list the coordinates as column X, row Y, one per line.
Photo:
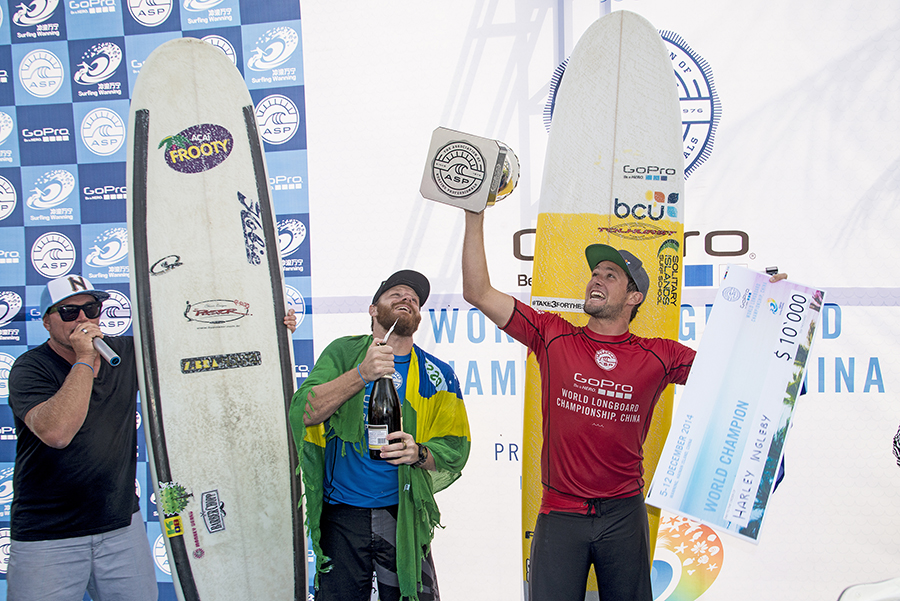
column 477, row 289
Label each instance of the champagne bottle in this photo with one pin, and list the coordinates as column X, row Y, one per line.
column 384, row 415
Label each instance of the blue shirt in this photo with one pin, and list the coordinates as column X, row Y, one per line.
column 355, row 479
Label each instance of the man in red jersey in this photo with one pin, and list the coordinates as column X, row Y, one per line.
column 599, row 385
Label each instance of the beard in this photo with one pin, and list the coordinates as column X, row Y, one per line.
column 606, row 311
column 407, row 323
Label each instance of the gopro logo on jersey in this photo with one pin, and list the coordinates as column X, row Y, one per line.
column 604, row 387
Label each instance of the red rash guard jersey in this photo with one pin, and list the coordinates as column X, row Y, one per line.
column 597, row 398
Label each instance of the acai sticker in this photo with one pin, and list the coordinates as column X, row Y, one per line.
column 198, row 148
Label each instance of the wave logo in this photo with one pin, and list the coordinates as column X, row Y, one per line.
column 53, row 255
column 8, row 198
column 224, row 45
column 51, row 189
column 10, row 305
column 688, row 558
column 295, row 301
column 41, row 73
column 98, row 63
column 291, row 234
column 6, row 363
column 278, row 119
column 109, row 248
column 773, row 306
column 200, row 5
column 103, row 131
column 150, row 13
column 115, row 319
column 159, row 555
column 37, row 11
column 6, row 126
column 273, row 49
column 5, row 540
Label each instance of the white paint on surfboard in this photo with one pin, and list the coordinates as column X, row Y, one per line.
column 215, row 357
column 613, row 174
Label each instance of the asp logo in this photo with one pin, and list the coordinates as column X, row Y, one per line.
column 295, row 301
column 150, row 13
column 116, row 317
column 103, row 131
column 278, row 118
column 8, row 198
column 41, row 73
column 53, row 255
column 224, row 45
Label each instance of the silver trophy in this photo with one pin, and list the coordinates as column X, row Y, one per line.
column 468, row 171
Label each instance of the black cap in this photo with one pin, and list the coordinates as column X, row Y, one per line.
column 407, row 277
column 595, row 253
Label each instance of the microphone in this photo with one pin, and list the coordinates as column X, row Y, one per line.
column 107, row 353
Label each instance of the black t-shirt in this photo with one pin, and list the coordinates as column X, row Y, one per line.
column 89, row 486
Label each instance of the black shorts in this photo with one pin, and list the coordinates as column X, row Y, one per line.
column 615, row 540
column 360, row 542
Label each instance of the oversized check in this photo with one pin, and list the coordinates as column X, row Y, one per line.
column 720, row 459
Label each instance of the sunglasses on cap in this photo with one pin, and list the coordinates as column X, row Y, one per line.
column 70, row 312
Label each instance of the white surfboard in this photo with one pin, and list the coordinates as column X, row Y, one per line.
column 214, row 356
column 613, row 174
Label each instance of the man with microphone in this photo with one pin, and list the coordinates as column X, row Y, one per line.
column 75, row 520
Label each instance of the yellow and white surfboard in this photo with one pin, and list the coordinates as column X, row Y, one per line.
column 614, row 174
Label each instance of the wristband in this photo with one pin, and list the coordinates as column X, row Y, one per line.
column 83, row 363
column 360, row 375
column 423, row 456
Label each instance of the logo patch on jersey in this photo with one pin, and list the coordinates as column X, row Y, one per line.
column 606, row 359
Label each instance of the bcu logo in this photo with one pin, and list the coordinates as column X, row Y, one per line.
column 51, row 189
column 198, row 148
column 273, row 49
column 103, row 131
column 658, row 206
column 41, row 73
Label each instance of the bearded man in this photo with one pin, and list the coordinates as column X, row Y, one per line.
column 369, row 516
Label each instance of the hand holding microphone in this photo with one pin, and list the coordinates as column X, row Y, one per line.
column 107, row 353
